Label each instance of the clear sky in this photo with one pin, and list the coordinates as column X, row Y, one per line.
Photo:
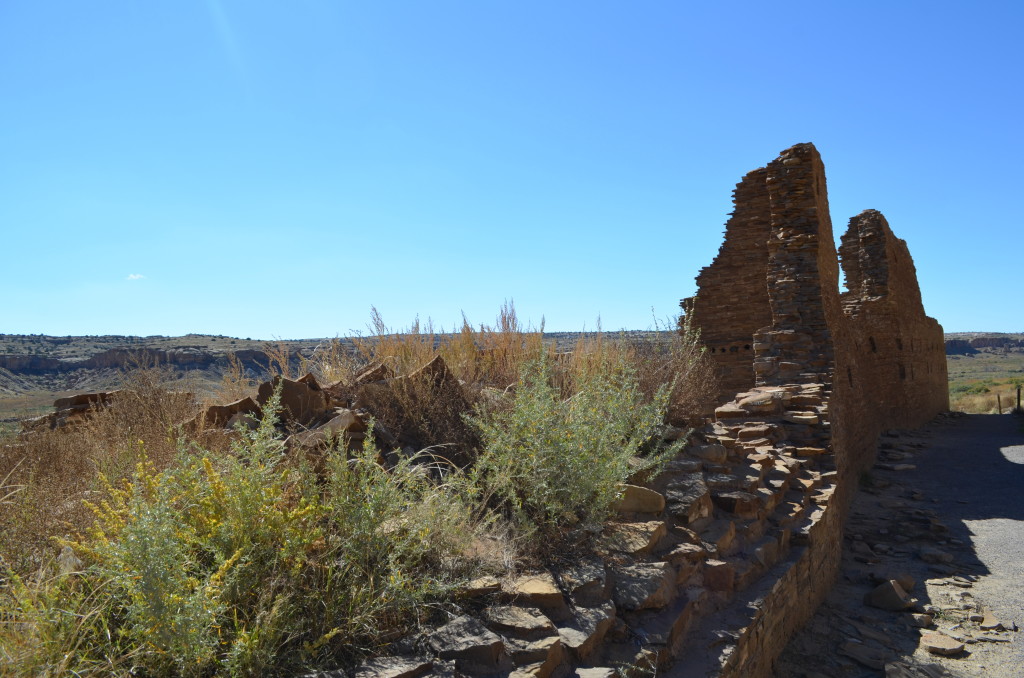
column 274, row 169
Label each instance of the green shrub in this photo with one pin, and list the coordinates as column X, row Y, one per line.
column 552, row 461
column 243, row 564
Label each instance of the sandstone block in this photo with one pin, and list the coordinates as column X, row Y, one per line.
column 526, row 623
column 393, row 667
column 640, row 587
column 941, row 644
column 720, row 576
column 636, row 499
column 889, row 596
column 466, row 640
column 635, row 539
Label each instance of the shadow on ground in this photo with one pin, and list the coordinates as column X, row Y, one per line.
column 943, row 506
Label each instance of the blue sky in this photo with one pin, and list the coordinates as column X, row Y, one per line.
column 268, row 169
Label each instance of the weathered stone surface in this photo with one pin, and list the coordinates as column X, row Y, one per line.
column 720, row 576
column 539, row 658
column 867, row 656
column 393, row 667
column 586, row 582
column 542, row 650
column 989, row 622
column 639, row 500
column 519, row 622
column 941, row 644
column 219, row 416
column 639, row 587
column 596, row 673
column 372, row 373
column 635, row 539
column 301, row 401
column 583, row 633
column 481, row 587
column 713, row 453
column 539, row 590
column 889, row 596
column 930, row 554
column 688, row 498
column 466, row 640
column 741, row 504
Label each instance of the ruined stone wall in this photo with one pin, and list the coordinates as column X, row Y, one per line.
column 878, row 359
column 734, row 303
column 803, row 274
column 898, row 351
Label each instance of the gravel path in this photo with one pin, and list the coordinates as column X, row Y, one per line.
column 953, row 492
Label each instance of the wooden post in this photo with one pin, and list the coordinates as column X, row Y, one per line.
column 1019, row 411
column 999, row 403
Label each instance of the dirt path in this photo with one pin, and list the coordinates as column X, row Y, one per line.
column 944, row 507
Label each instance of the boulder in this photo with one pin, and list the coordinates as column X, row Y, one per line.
column 372, row 373
column 539, row 590
column 583, row 634
column 739, row 503
column 635, row 539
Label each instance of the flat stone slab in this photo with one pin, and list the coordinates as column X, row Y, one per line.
column 941, row 644
column 393, row 667
column 520, row 622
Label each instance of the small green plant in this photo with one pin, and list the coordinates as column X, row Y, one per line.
column 552, row 461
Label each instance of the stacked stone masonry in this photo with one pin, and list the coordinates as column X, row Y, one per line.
column 878, row 359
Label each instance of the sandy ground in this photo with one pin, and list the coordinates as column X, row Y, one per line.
column 944, row 507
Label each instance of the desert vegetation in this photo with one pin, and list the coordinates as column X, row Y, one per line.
column 131, row 544
column 980, row 382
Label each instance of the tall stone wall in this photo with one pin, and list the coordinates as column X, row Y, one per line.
column 876, row 359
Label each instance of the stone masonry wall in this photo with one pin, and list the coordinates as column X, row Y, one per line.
column 734, row 303
column 876, row 359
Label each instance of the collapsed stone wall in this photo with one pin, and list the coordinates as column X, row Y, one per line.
column 879, row 360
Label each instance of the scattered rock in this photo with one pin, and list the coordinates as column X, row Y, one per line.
column 889, row 596
column 941, row 644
